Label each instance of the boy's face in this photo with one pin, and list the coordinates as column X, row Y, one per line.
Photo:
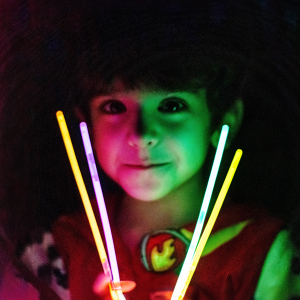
column 151, row 142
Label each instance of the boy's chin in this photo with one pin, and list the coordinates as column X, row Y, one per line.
column 145, row 195
column 148, row 189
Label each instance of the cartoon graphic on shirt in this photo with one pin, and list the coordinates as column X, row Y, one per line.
column 165, row 250
column 163, row 260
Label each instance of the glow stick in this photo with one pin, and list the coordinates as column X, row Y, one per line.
column 116, row 294
column 211, row 221
column 83, row 192
column 100, row 201
column 203, row 211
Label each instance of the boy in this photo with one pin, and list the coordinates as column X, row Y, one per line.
column 151, row 130
column 154, row 95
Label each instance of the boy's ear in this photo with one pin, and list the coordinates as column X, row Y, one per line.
column 233, row 118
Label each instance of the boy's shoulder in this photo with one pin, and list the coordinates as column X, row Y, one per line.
column 237, row 249
column 241, row 223
column 236, row 213
column 243, row 231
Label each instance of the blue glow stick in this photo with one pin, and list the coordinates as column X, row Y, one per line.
column 101, row 203
column 203, row 211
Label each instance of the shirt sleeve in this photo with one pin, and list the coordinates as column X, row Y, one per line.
column 277, row 280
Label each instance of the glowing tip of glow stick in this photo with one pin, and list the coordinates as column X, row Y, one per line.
column 82, row 125
column 224, row 131
column 225, row 128
column 59, row 114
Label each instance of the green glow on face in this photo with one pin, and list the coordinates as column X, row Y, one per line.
column 151, row 142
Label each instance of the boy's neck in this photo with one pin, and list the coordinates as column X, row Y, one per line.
column 179, row 208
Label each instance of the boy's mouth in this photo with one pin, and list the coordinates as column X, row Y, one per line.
column 146, row 166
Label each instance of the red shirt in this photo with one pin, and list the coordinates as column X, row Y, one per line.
column 229, row 269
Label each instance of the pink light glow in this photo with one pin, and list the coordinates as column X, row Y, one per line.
column 100, row 201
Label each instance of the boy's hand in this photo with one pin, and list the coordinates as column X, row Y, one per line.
column 102, row 287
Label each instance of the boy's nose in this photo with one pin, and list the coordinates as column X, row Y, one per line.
column 143, row 132
column 142, row 143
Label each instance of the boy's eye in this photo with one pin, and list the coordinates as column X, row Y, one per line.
column 172, row 105
column 113, row 107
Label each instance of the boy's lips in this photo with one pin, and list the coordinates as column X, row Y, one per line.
column 146, row 166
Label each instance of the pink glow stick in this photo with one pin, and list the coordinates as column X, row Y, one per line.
column 100, row 202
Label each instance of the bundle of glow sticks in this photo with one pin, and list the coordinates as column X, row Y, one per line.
column 196, row 247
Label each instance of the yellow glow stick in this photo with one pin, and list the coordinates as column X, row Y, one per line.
column 211, row 221
column 83, row 192
column 116, row 294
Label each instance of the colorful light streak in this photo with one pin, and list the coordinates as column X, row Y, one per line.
column 100, row 201
column 203, row 211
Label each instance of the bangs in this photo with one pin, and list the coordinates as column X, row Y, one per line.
column 172, row 71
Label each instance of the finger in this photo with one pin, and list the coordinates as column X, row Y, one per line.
column 101, row 285
column 124, row 285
